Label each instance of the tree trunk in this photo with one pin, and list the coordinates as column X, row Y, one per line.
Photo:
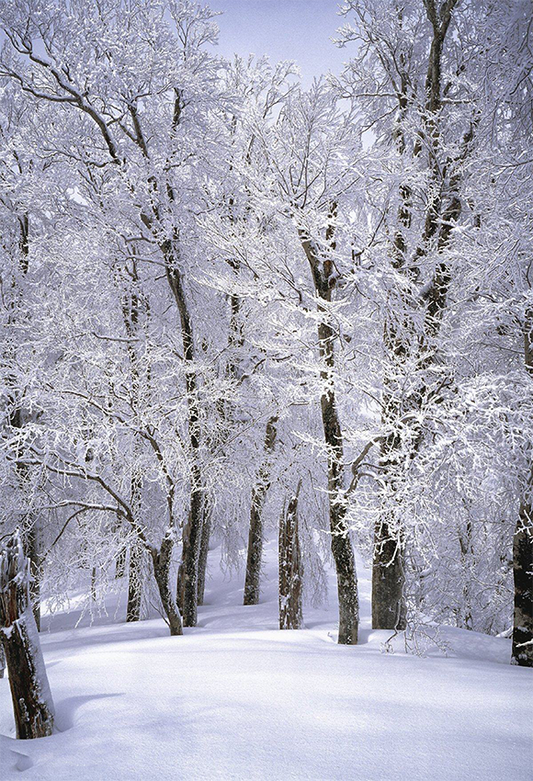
column 388, row 573
column 120, row 563
column 32, row 548
column 388, row 580
column 18, row 419
column 466, row 545
column 32, row 702
column 188, row 570
column 204, row 550
column 93, row 584
column 187, row 587
column 341, row 546
column 522, row 653
column 290, row 569
column 133, row 609
column 255, row 535
column 161, row 560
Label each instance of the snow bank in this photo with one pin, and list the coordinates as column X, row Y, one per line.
column 238, row 699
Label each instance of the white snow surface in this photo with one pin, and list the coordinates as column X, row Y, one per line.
column 236, row 698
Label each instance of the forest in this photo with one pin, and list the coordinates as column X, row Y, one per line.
column 269, row 335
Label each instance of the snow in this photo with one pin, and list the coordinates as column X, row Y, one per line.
column 235, row 698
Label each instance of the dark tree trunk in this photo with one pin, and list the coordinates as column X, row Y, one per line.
column 341, row 546
column 18, row 419
column 161, row 560
column 135, row 584
column 290, row 569
column 465, row 619
column 93, row 584
column 388, row 580
column 32, row 548
column 187, row 587
column 188, row 570
column 255, row 535
column 204, row 551
column 522, row 653
column 133, row 609
column 2, row 660
column 30, row 692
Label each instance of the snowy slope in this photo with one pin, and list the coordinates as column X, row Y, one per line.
column 237, row 699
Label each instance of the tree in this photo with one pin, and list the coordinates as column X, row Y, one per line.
column 411, row 76
column 117, row 104
column 290, row 567
column 30, row 692
column 311, row 153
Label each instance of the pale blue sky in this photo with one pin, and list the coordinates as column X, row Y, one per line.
column 299, row 30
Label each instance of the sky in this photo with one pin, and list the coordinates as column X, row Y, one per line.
column 299, row 30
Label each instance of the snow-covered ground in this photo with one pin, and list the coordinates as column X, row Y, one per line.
column 235, row 698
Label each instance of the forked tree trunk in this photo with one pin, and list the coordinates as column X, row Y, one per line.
column 32, row 702
column 255, row 536
column 290, row 569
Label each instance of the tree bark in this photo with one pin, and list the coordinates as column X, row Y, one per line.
column 341, row 546
column 161, row 560
column 135, row 584
column 255, row 535
column 290, row 568
column 388, row 580
column 204, row 551
column 32, row 702
column 522, row 653
column 388, row 573
column 32, row 547
column 131, row 310
column 187, row 587
column 133, row 608
column 188, row 570
column 120, row 563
